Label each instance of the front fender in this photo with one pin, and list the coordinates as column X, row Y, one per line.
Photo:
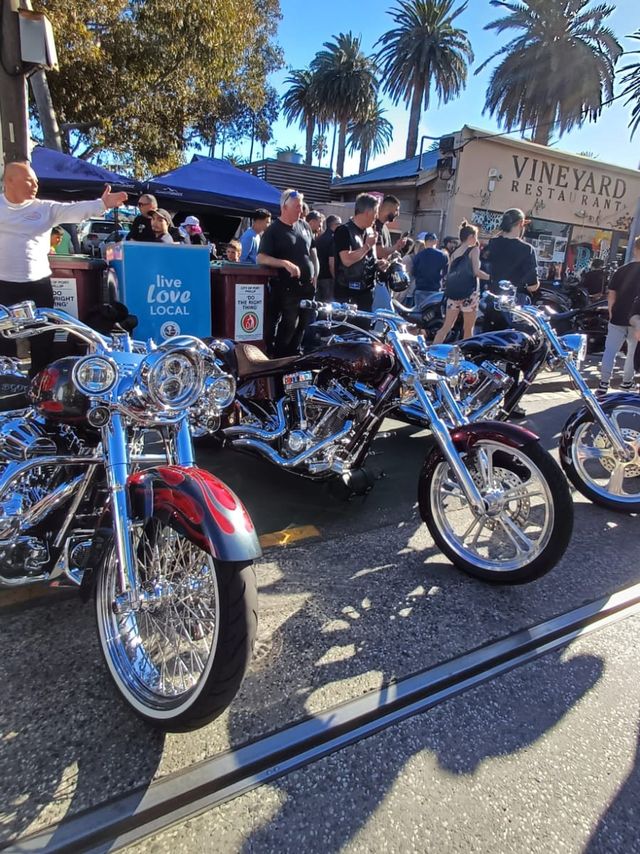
column 197, row 505
column 466, row 436
column 608, row 404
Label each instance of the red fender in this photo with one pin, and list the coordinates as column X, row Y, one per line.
column 466, row 436
column 199, row 506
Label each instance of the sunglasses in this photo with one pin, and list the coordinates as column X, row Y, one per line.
column 294, row 194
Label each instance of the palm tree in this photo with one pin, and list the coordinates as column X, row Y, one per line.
column 299, row 105
column 558, row 71
column 345, row 87
column 320, row 147
column 371, row 135
column 425, row 50
column 632, row 88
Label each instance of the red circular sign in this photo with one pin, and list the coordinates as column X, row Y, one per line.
column 249, row 321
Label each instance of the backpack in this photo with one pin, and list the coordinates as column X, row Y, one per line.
column 460, row 282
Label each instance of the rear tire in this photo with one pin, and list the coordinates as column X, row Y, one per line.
column 180, row 658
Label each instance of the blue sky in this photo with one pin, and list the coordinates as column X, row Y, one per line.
column 305, row 26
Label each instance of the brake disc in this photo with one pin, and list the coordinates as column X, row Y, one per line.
column 609, row 462
column 518, row 507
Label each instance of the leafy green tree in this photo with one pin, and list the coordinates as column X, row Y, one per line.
column 345, row 85
column 370, row 136
column 299, row 104
column 558, row 71
column 144, row 77
column 631, row 82
column 424, row 51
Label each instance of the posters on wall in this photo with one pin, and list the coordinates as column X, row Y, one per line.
column 249, row 324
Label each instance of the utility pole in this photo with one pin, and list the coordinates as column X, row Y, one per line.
column 14, row 112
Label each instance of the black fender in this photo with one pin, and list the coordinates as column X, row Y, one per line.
column 580, row 416
column 466, row 436
column 199, row 506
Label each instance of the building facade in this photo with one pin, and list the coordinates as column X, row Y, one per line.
column 578, row 207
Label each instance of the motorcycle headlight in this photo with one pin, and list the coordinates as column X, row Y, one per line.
column 95, row 375
column 221, row 390
column 173, row 379
column 577, row 346
column 445, row 358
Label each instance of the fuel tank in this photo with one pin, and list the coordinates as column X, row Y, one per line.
column 54, row 395
column 360, row 360
column 509, row 345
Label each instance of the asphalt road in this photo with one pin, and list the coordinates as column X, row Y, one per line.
column 365, row 601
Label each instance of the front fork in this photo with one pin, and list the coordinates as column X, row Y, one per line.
column 115, row 441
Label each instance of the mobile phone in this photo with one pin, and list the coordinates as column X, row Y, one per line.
column 404, row 234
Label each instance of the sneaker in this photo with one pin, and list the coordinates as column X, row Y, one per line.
column 602, row 389
column 626, row 386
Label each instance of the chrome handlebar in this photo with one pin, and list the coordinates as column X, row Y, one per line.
column 24, row 320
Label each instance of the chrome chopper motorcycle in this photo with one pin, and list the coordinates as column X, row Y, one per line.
column 600, row 443
column 85, row 500
column 494, row 501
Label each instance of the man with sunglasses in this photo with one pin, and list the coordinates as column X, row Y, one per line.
column 286, row 246
column 141, row 225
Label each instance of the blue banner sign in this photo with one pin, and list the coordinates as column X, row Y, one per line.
column 167, row 287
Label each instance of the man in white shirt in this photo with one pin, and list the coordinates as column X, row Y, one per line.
column 25, row 227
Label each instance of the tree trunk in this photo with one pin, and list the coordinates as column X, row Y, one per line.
column 333, row 145
column 46, row 112
column 253, row 133
column 544, row 127
column 342, row 148
column 364, row 160
column 310, row 129
column 414, row 118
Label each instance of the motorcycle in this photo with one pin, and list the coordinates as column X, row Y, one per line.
column 600, row 443
column 86, row 501
column 495, row 502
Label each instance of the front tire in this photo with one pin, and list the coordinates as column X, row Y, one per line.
column 530, row 518
column 591, row 466
column 179, row 657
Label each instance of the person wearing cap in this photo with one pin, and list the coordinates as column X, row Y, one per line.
column 250, row 240
column 25, row 230
column 286, row 246
column 141, row 226
column 191, row 232
column 161, row 222
column 511, row 258
column 429, row 268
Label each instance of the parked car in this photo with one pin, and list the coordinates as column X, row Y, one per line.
column 91, row 232
column 114, row 237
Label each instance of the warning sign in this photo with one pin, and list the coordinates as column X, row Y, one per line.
column 249, row 313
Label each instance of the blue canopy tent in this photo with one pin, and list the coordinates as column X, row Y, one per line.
column 62, row 176
column 213, row 184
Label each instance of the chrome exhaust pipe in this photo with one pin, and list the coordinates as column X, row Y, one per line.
column 258, row 432
column 50, row 502
column 278, row 460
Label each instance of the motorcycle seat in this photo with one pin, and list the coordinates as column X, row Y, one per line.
column 252, row 361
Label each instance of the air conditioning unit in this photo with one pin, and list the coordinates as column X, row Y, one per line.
column 447, row 144
column 446, row 167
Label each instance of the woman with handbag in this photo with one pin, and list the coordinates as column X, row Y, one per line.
column 461, row 284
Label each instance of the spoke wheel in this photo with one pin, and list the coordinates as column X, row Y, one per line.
column 595, row 470
column 527, row 523
column 169, row 653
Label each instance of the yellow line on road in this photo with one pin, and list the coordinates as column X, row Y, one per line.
column 288, row 536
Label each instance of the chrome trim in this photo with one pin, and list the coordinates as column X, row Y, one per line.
column 260, row 433
column 283, row 462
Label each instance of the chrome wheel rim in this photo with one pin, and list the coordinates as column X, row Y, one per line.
column 519, row 522
column 160, row 651
column 595, row 462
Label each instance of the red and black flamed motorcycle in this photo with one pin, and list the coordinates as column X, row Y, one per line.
column 85, row 501
column 495, row 502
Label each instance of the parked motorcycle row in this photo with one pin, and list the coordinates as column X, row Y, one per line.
column 99, row 487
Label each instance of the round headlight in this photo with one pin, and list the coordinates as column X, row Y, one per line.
column 221, row 391
column 174, row 381
column 95, row 375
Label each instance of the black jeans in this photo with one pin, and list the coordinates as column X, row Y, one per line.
column 287, row 321
column 41, row 293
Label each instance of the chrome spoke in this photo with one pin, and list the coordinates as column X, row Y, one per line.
column 519, row 539
column 616, row 481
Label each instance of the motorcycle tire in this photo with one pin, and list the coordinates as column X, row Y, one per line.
column 576, row 470
column 511, row 469
column 151, row 651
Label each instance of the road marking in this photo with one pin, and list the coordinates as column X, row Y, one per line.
column 289, row 535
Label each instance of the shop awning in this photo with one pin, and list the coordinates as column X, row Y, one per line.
column 61, row 175
column 213, row 184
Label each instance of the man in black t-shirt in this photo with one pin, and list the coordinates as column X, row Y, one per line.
column 624, row 292
column 286, row 245
column 387, row 213
column 356, row 254
column 141, row 226
column 325, row 250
